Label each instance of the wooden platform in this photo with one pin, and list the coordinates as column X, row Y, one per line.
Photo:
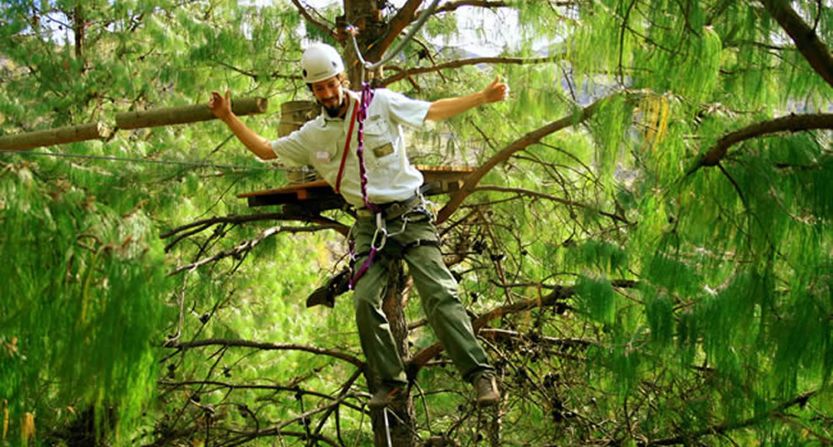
column 316, row 196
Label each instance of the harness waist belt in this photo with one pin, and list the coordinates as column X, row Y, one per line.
column 392, row 210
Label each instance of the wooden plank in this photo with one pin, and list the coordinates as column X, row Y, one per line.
column 50, row 137
column 287, row 189
column 185, row 114
column 319, row 196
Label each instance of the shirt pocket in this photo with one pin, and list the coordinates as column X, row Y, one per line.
column 380, row 150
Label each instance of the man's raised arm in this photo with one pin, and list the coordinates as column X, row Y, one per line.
column 221, row 108
column 447, row 107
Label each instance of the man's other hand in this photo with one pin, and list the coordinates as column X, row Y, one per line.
column 496, row 91
column 220, row 105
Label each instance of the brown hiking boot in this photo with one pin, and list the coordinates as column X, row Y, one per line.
column 485, row 385
column 384, row 396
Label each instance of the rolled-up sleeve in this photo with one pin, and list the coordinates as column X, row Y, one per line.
column 292, row 150
column 404, row 110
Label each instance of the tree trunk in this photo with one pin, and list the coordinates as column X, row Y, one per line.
column 78, row 29
column 367, row 18
column 400, row 423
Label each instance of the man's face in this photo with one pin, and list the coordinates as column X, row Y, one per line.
column 329, row 94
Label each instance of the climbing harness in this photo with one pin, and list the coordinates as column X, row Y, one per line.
column 380, row 235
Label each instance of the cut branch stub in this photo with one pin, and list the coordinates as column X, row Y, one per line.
column 185, row 114
column 51, row 137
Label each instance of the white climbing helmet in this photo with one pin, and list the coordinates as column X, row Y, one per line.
column 319, row 62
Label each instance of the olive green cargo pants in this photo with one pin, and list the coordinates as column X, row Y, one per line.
column 437, row 289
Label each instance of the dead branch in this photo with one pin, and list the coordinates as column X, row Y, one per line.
column 789, row 123
column 555, row 299
column 201, row 225
column 562, row 343
column 242, row 248
column 167, row 116
column 806, row 40
column 228, row 343
column 242, row 386
column 526, row 192
column 529, row 139
column 403, row 74
column 245, row 438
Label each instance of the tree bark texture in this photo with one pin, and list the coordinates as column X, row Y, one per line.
column 402, row 426
column 185, row 114
column 128, row 120
column 50, row 137
column 806, row 41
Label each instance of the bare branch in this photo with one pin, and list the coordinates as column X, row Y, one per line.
column 402, row 74
column 201, row 225
column 267, row 347
column 242, row 248
column 269, row 387
column 530, row 138
column 304, row 10
column 556, row 299
column 806, row 40
column 541, row 195
column 789, row 123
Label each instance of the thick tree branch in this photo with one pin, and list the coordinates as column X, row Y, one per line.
column 789, row 123
column 403, row 17
column 267, row 347
column 402, row 74
column 527, row 140
column 806, row 40
column 323, row 26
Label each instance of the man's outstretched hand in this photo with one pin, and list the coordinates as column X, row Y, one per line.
column 496, row 91
column 220, row 105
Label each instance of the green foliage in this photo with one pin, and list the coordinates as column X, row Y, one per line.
column 686, row 305
column 81, row 303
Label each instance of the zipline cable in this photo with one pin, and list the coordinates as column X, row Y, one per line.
column 143, row 160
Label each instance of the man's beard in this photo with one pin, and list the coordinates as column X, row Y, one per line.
column 334, row 111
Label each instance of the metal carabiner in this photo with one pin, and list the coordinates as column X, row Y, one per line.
column 380, row 229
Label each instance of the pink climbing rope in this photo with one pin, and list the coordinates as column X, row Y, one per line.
column 364, row 104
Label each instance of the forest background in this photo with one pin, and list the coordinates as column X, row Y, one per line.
column 646, row 247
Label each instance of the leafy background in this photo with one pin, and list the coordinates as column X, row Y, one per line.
column 634, row 294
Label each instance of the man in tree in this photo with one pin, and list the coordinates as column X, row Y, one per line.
column 390, row 199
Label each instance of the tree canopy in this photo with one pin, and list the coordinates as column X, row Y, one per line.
column 645, row 244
